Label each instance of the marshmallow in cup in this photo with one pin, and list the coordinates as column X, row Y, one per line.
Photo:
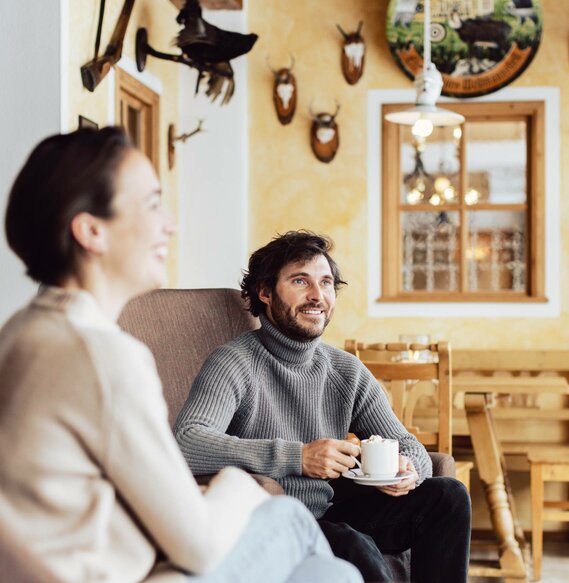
column 380, row 457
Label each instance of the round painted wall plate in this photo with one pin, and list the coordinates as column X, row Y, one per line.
column 479, row 46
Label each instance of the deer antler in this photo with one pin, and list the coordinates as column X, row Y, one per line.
column 268, row 61
column 292, row 61
column 360, row 25
column 342, row 32
column 313, row 115
column 337, row 110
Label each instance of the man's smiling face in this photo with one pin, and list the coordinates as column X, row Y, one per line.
column 302, row 303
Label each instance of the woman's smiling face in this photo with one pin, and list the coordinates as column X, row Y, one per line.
column 140, row 229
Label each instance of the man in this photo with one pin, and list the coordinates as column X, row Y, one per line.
column 279, row 402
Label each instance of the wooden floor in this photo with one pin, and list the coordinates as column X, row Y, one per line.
column 555, row 567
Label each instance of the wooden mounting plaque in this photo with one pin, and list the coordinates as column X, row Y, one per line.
column 479, row 46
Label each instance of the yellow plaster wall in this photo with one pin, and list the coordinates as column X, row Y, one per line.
column 290, row 189
column 160, row 20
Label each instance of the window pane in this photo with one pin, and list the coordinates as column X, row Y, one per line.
column 496, row 155
column 430, row 166
column 496, row 253
column 133, row 125
column 430, row 251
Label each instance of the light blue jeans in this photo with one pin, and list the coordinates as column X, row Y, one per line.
column 282, row 544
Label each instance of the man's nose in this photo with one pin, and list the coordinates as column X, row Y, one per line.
column 315, row 293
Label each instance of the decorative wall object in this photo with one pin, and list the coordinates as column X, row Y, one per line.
column 93, row 72
column 83, row 122
column 204, row 47
column 173, row 138
column 353, row 54
column 285, row 92
column 479, row 46
column 324, row 135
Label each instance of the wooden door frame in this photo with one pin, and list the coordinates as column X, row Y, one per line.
column 139, row 92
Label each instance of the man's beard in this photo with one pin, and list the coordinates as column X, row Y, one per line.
column 288, row 324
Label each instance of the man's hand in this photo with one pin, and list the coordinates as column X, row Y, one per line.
column 328, row 458
column 406, row 485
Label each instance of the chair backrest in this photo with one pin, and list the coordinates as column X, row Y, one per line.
column 408, row 379
column 182, row 327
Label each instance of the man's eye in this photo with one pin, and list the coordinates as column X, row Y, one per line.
column 327, row 283
column 298, row 280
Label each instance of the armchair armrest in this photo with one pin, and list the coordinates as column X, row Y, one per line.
column 270, row 485
column 443, row 465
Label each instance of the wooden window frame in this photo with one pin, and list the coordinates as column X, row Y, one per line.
column 130, row 91
column 532, row 112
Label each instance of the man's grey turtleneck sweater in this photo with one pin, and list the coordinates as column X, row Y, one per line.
column 259, row 398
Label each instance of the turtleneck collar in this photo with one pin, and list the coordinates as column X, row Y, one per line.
column 283, row 347
column 79, row 306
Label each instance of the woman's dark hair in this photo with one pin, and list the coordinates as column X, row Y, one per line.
column 266, row 263
column 64, row 176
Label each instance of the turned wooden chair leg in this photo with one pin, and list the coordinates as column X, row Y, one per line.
column 488, row 456
column 537, row 496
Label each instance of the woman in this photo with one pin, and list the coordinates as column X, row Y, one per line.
column 91, row 476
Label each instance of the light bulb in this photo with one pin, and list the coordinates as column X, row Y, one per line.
column 471, row 196
column 414, row 196
column 449, row 193
column 457, row 133
column 442, row 183
column 422, row 128
column 435, row 199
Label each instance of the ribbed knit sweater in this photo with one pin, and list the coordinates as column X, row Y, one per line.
column 258, row 399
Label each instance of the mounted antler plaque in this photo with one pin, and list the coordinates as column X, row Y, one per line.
column 353, row 54
column 284, row 92
column 324, row 135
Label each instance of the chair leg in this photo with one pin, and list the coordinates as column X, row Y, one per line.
column 537, row 518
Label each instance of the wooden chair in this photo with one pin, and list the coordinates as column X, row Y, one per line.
column 409, row 380
column 552, row 467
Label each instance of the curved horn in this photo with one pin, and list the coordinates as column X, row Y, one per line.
column 313, row 115
column 292, row 61
column 267, row 60
column 360, row 25
column 342, row 32
column 337, row 110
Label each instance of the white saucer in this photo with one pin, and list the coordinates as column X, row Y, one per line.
column 360, row 478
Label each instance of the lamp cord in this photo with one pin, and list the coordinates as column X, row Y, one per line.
column 427, row 35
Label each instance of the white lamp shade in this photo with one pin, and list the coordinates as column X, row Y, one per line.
column 437, row 115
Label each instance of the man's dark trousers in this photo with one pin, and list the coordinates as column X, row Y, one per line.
column 433, row 521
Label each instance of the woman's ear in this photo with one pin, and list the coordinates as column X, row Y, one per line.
column 90, row 232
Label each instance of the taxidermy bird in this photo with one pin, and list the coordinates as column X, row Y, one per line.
column 211, row 49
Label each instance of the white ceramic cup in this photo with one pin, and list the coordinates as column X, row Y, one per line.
column 380, row 458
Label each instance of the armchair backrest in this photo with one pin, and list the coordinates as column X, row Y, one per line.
column 404, row 379
column 182, row 327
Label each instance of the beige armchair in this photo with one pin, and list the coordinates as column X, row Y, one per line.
column 182, row 327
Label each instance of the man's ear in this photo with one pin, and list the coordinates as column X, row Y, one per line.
column 265, row 295
column 90, row 232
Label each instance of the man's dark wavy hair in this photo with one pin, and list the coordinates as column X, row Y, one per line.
column 266, row 263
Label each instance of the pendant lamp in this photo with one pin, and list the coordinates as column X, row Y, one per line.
column 428, row 83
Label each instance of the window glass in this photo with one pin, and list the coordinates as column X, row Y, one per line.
column 431, row 251
column 496, row 160
column 430, row 166
column 496, row 252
